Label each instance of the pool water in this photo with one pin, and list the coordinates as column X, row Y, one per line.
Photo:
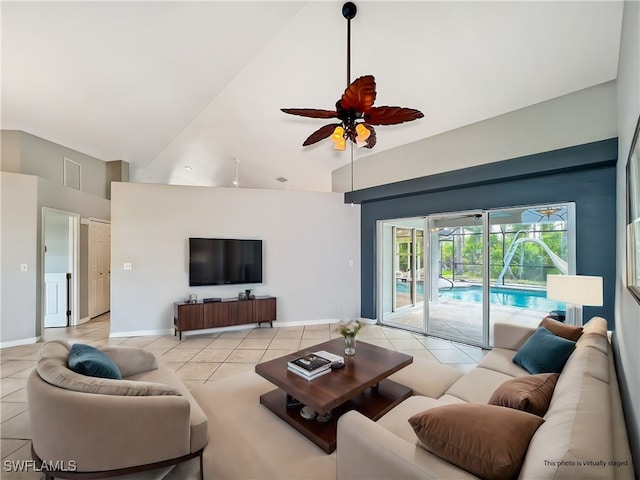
column 531, row 299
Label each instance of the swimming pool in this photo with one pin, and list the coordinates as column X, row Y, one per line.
column 531, row 299
column 521, row 298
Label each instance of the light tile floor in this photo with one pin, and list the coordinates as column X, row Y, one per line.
column 197, row 359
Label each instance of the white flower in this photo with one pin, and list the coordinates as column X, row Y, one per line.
column 350, row 328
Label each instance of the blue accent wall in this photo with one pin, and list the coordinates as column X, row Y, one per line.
column 584, row 174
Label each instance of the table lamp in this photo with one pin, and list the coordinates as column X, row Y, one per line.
column 576, row 291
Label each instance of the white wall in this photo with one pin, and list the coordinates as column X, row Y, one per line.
column 308, row 240
column 26, row 158
column 45, row 159
column 10, row 141
column 581, row 117
column 18, row 245
column 627, row 333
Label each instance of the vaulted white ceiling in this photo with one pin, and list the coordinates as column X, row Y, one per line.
column 164, row 85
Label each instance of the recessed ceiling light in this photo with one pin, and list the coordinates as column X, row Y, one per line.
column 188, row 167
column 282, row 179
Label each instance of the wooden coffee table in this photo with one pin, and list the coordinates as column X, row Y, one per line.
column 361, row 385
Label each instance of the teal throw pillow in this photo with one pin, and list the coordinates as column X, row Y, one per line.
column 90, row 361
column 544, row 352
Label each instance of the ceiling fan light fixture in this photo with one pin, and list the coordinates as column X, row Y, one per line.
column 340, row 144
column 355, row 104
column 548, row 211
column 363, row 134
column 338, row 138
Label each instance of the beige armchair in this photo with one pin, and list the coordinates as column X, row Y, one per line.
column 88, row 427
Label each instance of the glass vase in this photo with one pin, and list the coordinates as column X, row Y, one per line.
column 350, row 345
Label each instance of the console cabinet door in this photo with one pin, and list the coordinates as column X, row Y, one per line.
column 217, row 314
column 265, row 310
column 189, row 317
column 241, row 312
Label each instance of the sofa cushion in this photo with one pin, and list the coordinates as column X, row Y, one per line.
column 577, row 431
column 427, row 377
column 501, row 360
column 395, row 420
column 474, row 438
column 90, row 361
column 570, row 332
column 544, row 352
column 530, row 394
column 477, row 385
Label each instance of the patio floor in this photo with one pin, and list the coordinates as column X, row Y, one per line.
column 461, row 320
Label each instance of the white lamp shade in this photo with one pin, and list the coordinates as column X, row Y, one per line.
column 575, row 289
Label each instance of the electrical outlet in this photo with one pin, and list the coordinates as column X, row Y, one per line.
column 24, row 267
column 128, row 266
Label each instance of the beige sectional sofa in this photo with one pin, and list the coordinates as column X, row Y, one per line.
column 583, row 435
column 82, row 424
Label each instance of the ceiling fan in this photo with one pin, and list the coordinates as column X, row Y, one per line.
column 354, row 110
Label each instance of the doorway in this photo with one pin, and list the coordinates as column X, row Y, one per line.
column 60, row 247
column 402, row 272
column 457, row 263
column 99, row 267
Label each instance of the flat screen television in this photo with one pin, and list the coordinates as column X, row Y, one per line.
column 224, row 261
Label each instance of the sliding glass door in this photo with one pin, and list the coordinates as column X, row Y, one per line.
column 456, row 277
column 401, row 276
column 526, row 245
column 453, row 275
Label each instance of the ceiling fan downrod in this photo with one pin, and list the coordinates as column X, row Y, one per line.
column 349, row 11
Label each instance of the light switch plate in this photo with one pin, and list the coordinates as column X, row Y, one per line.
column 128, row 266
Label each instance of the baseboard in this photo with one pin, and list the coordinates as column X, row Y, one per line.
column 303, row 323
column 17, row 343
column 142, row 333
column 232, row 328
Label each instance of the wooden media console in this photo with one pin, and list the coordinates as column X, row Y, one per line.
column 228, row 311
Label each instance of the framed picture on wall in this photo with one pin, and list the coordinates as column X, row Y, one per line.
column 633, row 216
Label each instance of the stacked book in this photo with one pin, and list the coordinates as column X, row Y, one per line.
column 309, row 366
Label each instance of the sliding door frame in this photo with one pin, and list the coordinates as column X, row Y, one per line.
column 429, row 265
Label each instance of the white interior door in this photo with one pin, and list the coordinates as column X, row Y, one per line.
column 55, row 301
column 60, row 300
column 99, row 268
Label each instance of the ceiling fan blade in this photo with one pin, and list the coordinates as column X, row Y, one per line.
column 320, row 134
column 310, row 112
column 391, row 115
column 360, row 95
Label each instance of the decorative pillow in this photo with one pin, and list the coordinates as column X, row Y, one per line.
column 544, row 352
column 563, row 330
column 88, row 360
column 485, row 440
column 530, row 394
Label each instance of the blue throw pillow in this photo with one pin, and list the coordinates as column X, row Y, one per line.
column 544, row 352
column 90, row 361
